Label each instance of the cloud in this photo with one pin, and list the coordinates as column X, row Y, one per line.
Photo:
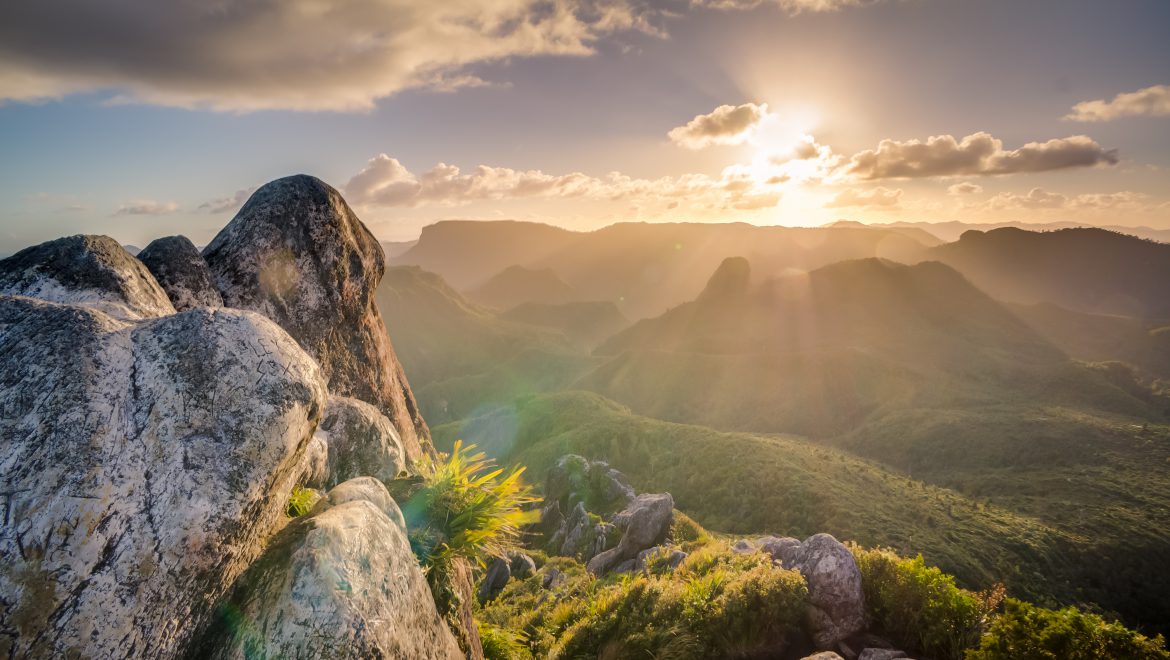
column 790, row 7
column 978, row 154
column 242, row 55
column 146, row 207
column 228, row 204
column 964, row 188
column 725, row 125
column 878, row 196
column 386, row 182
column 1151, row 102
column 1038, row 198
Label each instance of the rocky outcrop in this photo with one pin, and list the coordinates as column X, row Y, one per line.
column 644, row 523
column 181, row 272
column 342, row 582
column 361, row 441
column 367, row 489
column 577, row 479
column 145, row 464
column 836, row 600
column 94, row 271
column 296, row 253
column 495, row 578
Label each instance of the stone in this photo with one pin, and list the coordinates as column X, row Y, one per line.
column 144, row 467
column 881, row 654
column 461, row 620
column 361, row 440
column 823, row 655
column 522, row 566
column 495, row 578
column 627, row 566
column 181, row 271
column 777, row 546
column 297, row 254
column 315, row 467
column 645, row 522
column 553, row 577
column 836, row 600
column 367, row 489
column 94, row 271
column 340, row 583
column 673, row 557
column 744, row 547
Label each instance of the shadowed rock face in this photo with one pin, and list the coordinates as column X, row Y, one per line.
column 342, row 583
column 361, row 442
column 181, row 272
column 85, row 270
column 144, row 466
column 297, row 254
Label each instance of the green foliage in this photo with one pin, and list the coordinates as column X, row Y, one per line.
column 301, row 501
column 502, row 644
column 919, row 607
column 1027, row 631
column 716, row 604
column 467, row 508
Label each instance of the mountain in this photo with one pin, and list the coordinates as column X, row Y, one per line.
column 586, row 322
column 643, row 268
column 1087, row 270
column 395, row 249
column 1101, row 337
column 460, row 355
column 949, row 232
column 516, row 285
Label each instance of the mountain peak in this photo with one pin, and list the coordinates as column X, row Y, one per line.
column 731, row 279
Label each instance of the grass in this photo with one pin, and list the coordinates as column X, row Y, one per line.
column 301, row 501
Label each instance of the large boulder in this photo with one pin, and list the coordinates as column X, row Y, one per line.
column 342, row 583
column 361, row 440
column 836, row 600
column 143, row 468
column 94, row 271
column 181, row 272
column 296, row 253
column 495, row 578
column 644, row 523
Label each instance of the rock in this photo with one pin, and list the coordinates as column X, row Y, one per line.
column 578, row 539
column 744, row 547
column 673, row 557
column 362, row 442
column 553, row 577
column 777, row 546
column 366, row 489
column 461, row 620
column 315, row 467
column 881, row 654
column 567, row 477
column 341, row 583
column 296, row 253
column 181, row 272
column 836, row 601
column 645, row 522
column 576, row 479
column 144, row 467
column 522, row 566
column 627, row 566
column 94, row 271
column 823, row 655
column 496, row 577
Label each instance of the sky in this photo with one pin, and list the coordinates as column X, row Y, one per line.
column 140, row 119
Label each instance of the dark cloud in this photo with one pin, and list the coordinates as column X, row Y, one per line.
column 725, row 125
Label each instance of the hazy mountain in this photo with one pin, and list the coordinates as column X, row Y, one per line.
column 586, row 322
column 1101, row 337
column 951, row 231
column 644, row 268
column 1089, row 270
column 516, row 285
column 395, row 249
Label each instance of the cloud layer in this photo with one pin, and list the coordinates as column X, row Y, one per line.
column 725, row 125
column 146, row 207
column 879, row 196
column 1151, row 101
column 791, row 7
column 291, row 54
column 387, row 182
column 1038, row 198
column 978, row 154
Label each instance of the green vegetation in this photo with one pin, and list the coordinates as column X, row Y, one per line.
column 715, row 605
column 1027, row 631
column 301, row 501
column 920, row 607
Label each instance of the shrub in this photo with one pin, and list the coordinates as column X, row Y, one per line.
column 1027, row 631
column 919, row 607
column 301, row 501
column 501, row 644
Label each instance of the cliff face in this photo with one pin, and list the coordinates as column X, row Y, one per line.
column 297, row 254
column 148, row 456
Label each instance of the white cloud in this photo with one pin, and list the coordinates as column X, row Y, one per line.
column 791, row 7
column 240, row 55
column 878, row 196
column 146, row 207
column 1152, row 101
column 1038, row 198
column 725, row 125
column 387, row 182
column 978, row 154
column 228, row 204
column 964, row 188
